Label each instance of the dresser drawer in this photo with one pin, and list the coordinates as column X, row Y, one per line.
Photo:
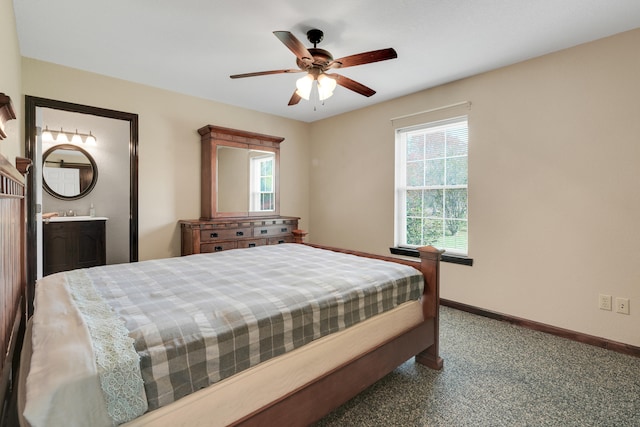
column 280, row 239
column 218, row 246
column 272, row 230
column 213, row 235
column 251, row 243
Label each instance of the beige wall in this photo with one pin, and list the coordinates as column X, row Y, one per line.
column 554, row 169
column 10, row 80
column 169, row 146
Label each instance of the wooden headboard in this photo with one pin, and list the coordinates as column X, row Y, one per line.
column 12, row 274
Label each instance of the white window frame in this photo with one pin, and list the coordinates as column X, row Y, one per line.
column 401, row 187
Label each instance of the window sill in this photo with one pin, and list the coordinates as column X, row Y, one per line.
column 454, row 259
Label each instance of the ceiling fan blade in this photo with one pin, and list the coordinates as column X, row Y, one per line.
column 352, row 85
column 364, row 58
column 295, row 46
column 264, row 73
column 295, row 98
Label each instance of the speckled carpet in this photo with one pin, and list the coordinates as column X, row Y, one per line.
column 498, row 374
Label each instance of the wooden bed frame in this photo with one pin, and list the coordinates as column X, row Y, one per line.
column 302, row 407
column 12, row 280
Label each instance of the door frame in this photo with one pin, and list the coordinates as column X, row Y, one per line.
column 31, row 103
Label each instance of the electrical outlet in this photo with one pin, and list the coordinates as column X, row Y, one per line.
column 604, row 302
column 622, row 305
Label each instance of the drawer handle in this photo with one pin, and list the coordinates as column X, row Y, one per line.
column 217, row 248
column 252, row 245
column 214, row 235
column 264, row 231
column 239, row 233
column 284, row 230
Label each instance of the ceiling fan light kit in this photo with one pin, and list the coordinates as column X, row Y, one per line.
column 325, row 84
column 315, row 62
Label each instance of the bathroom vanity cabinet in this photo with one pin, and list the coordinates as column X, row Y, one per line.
column 71, row 243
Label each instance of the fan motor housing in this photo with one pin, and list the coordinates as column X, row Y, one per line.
column 321, row 58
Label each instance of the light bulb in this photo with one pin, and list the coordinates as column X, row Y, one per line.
column 62, row 137
column 76, row 139
column 304, row 86
column 326, row 85
column 47, row 136
column 91, row 140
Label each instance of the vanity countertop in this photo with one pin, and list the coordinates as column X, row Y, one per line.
column 76, row 218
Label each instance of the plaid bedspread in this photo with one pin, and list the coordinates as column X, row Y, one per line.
column 202, row 318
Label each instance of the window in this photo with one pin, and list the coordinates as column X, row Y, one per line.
column 262, row 184
column 431, row 186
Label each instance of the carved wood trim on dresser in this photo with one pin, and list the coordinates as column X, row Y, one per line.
column 221, row 234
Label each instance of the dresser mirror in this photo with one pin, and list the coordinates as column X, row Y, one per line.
column 239, row 173
column 246, row 181
column 68, row 172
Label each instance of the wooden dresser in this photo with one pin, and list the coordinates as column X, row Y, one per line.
column 213, row 235
column 230, row 218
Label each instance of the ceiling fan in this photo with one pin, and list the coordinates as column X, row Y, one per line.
column 316, row 62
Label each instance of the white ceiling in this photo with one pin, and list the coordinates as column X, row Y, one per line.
column 193, row 46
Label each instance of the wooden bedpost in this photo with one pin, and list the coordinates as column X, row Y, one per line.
column 299, row 235
column 430, row 267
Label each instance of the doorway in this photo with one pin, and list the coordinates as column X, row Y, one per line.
column 34, row 108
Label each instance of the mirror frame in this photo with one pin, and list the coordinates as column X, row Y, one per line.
column 89, row 157
column 211, row 138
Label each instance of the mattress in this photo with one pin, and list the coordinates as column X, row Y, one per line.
column 107, row 329
column 254, row 388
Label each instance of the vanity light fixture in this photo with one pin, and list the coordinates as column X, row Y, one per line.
column 63, row 136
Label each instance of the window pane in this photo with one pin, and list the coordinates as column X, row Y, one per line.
column 457, row 142
column 415, row 174
column 456, row 203
column 266, row 168
column 266, row 201
column 433, row 203
column 414, row 203
column 432, row 231
column 414, row 233
column 434, row 172
column 435, row 145
column 266, row 184
column 457, row 171
column 459, row 240
column 415, row 147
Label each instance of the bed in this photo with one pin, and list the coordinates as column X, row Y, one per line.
column 316, row 374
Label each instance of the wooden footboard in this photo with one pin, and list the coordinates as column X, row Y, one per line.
column 12, row 279
column 316, row 399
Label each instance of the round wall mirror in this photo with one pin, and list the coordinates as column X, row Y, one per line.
column 68, row 171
